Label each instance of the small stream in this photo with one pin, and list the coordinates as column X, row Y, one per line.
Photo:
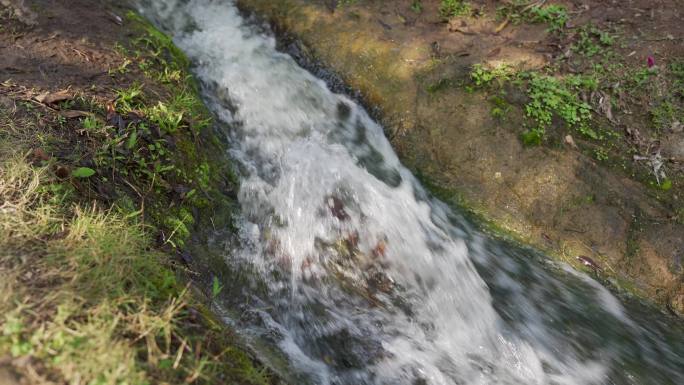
column 359, row 276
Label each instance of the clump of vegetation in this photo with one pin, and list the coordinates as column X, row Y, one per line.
column 87, row 221
column 417, row 6
column 549, row 98
column 556, row 16
column 483, row 76
column 592, row 41
column 84, row 295
column 519, row 11
column 553, row 97
column 453, row 8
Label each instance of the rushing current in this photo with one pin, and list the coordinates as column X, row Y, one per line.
column 358, row 275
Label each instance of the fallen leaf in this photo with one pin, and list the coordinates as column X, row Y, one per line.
column 53, row 97
column 570, row 141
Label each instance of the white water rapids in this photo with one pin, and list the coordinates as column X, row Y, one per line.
column 366, row 279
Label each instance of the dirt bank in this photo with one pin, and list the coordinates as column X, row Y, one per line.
column 559, row 126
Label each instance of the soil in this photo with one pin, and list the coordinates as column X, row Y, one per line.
column 572, row 196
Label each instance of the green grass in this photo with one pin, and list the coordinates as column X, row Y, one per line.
column 85, row 294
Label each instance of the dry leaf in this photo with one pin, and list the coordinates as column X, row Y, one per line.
column 570, row 141
column 53, row 97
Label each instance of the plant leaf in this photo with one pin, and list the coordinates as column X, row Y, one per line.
column 83, row 172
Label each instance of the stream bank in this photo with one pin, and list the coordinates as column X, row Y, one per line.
column 577, row 199
column 110, row 169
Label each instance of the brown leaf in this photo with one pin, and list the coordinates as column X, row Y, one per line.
column 53, row 97
column 72, row 114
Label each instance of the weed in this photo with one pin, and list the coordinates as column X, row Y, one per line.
column 483, row 76
column 438, row 86
column 556, row 16
column 130, row 98
column 417, row 6
column 677, row 72
column 121, row 69
column 518, row 11
column 592, row 41
column 601, row 154
column 500, row 107
column 549, row 97
column 665, row 113
column 453, row 8
column 91, row 123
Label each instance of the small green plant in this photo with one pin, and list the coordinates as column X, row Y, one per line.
column 677, row 71
column 91, row 123
column 549, row 97
column 601, row 154
column 453, row 8
column 483, row 76
column 500, row 107
column 168, row 119
column 417, row 6
column 216, row 287
column 556, row 16
column 518, row 11
column 121, row 69
column 592, row 41
column 130, row 98
column 665, row 113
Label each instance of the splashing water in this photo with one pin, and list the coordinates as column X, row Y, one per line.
column 366, row 279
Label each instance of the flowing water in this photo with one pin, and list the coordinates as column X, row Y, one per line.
column 358, row 276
